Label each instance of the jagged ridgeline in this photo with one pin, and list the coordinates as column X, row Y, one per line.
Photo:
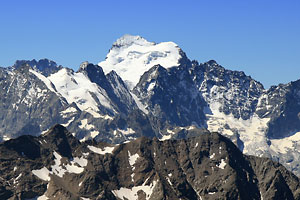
column 56, row 165
column 151, row 89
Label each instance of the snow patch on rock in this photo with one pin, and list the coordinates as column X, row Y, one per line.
column 75, row 166
column 100, row 151
column 222, row 164
column 132, row 194
column 42, row 173
column 132, row 159
column 85, row 125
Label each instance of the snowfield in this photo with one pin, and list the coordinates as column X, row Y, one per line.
column 131, row 56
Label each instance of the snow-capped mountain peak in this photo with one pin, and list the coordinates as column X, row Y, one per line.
column 131, row 56
column 128, row 40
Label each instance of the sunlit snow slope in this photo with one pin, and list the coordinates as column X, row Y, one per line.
column 78, row 88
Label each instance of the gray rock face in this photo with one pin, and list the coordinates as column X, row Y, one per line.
column 233, row 90
column 27, row 105
column 281, row 103
column 157, row 89
column 209, row 166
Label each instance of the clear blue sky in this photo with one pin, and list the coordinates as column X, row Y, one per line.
column 260, row 37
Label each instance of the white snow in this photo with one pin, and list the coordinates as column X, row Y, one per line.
column 139, row 104
column 56, row 168
column 261, row 197
column 168, row 136
column 131, row 194
column 165, row 137
column 285, row 144
column 6, row 138
column 127, row 131
column 74, row 169
column 80, row 183
column 81, row 161
column 43, row 197
column 68, row 110
column 191, row 127
column 94, row 133
column 77, row 87
column 252, row 131
column 18, row 177
column 212, row 156
column 75, row 166
column 42, row 173
column 151, row 86
column 44, row 131
column 168, row 179
column 85, row 125
column 47, row 82
column 131, row 56
column 222, row 164
column 100, row 151
column 68, row 123
column 170, row 131
column 132, row 159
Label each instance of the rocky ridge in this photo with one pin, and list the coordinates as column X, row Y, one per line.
column 56, row 165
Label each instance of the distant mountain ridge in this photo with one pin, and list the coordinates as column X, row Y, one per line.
column 44, row 66
column 153, row 90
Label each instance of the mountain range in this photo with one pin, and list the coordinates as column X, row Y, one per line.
column 153, row 90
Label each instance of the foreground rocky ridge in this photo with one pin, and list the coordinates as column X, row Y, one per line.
column 56, row 165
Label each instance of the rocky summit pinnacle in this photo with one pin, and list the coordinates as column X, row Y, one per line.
column 208, row 166
column 127, row 40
